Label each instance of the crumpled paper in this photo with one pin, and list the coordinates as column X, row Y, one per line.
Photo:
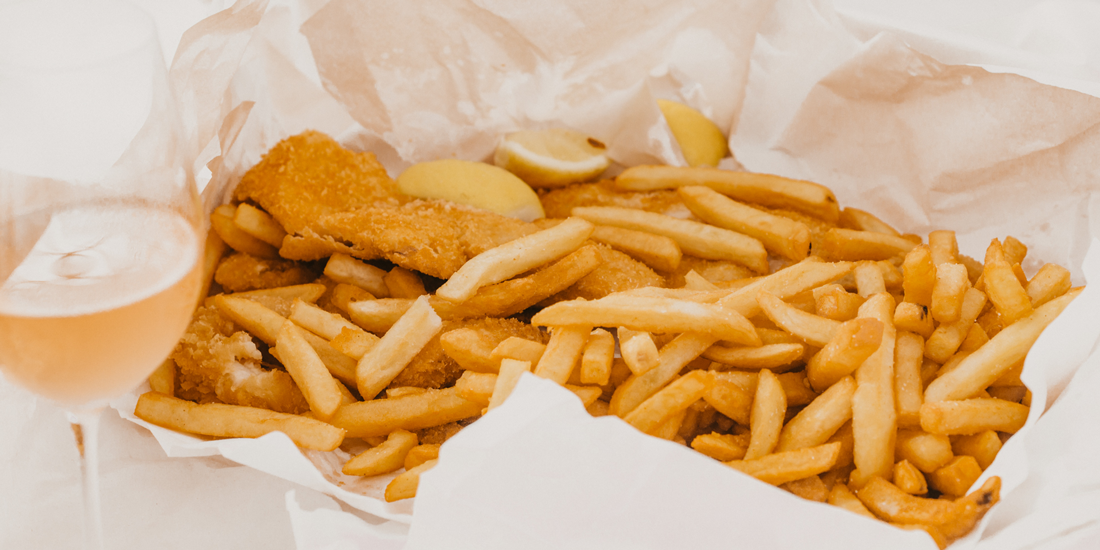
column 921, row 144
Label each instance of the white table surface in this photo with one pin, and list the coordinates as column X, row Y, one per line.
column 153, row 501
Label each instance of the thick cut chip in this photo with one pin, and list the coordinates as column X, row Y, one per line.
column 393, row 352
column 383, row 459
column 874, row 416
column 510, row 372
column 259, row 224
column 852, row 245
column 220, row 420
column 672, row 399
column 414, row 412
column 320, row 389
column 765, row 189
column 221, row 223
column 769, row 408
column 657, row 251
column 404, row 486
column 853, row 342
column 783, row 236
column 920, row 276
column 697, row 239
column 971, row 416
column 816, row 423
column 779, row 468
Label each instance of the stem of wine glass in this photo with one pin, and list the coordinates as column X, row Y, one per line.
column 86, row 429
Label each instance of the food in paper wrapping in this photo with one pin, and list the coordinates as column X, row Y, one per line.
column 854, row 196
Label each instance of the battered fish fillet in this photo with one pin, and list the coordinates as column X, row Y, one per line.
column 617, row 272
column 432, row 237
column 432, row 368
column 218, row 363
column 558, row 203
column 240, row 272
column 309, row 175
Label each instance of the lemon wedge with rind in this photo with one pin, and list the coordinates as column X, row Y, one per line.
column 701, row 142
column 552, row 158
column 474, row 184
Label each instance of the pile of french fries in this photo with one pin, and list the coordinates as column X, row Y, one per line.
column 870, row 369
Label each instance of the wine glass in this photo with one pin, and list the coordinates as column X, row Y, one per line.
column 100, row 221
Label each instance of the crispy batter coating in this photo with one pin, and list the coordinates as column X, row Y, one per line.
column 218, row 363
column 308, row 175
column 240, row 272
column 617, row 272
column 432, row 368
column 432, row 237
column 715, row 271
column 558, row 203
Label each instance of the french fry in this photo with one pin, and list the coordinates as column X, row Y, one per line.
column 920, row 276
column 949, row 292
column 259, row 224
column 402, row 283
column 730, row 399
column 220, row 420
column 971, row 416
column 1014, row 250
column 775, row 357
column 983, row 446
column 915, row 318
column 869, row 279
column 843, row 497
column 1005, row 291
column 413, row 412
column 318, row 321
column 212, row 253
column 354, row 343
column 909, row 479
column 518, row 348
column 769, row 407
column 928, row 452
column 695, row 238
column 402, row 391
column 163, row 380
column 814, row 330
column 476, row 387
column 874, row 416
column 809, row 488
column 383, row 459
column 723, row 447
column 343, row 295
column 471, row 349
column 944, row 247
column 281, row 299
column 587, row 394
column 779, row 468
column 651, row 314
column 908, row 387
column 975, row 338
column 596, row 359
column 764, row 189
column 783, row 236
column 378, row 315
column 991, row 361
column 889, row 502
column 832, row 301
column 657, row 251
column 955, row 478
column 392, row 353
column 695, row 281
column 221, row 221
column 421, row 454
column 345, row 269
column 405, row 485
column 563, row 352
column 854, row 218
column 308, row 371
column 510, row 372
column 672, row 399
column 515, row 295
column 853, row 342
column 947, row 337
column 515, row 257
column 850, row 245
column 1050, row 282
column 638, row 350
column 816, row 423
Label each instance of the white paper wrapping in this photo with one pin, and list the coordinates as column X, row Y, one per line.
column 921, row 144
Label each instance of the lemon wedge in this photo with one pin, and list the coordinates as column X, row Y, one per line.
column 551, row 158
column 474, row 184
column 700, row 139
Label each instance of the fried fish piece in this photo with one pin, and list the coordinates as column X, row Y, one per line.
column 432, row 237
column 558, row 203
column 309, row 175
column 617, row 272
column 432, row 368
column 240, row 272
column 219, row 363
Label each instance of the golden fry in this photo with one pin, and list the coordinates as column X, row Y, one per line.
column 597, row 357
column 779, row 468
column 657, row 251
column 769, row 408
column 405, row 485
column 971, row 416
column 345, row 269
column 783, row 236
column 392, row 353
column 383, row 459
